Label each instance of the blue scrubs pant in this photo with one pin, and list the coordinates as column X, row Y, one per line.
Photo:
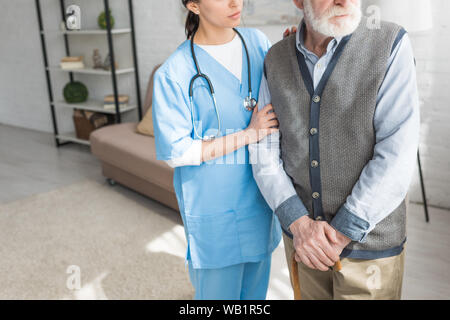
column 245, row 281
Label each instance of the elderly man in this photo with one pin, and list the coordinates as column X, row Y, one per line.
column 345, row 95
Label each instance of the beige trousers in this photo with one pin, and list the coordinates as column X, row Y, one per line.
column 379, row 279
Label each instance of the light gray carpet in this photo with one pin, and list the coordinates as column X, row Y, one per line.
column 116, row 242
column 127, row 246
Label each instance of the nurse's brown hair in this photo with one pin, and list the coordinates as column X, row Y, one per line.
column 192, row 20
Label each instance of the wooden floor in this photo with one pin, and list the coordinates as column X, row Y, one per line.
column 30, row 163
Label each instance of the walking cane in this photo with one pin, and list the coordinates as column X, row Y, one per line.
column 296, row 280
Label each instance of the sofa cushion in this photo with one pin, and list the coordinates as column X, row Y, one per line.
column 146, row 125
column 120, row 145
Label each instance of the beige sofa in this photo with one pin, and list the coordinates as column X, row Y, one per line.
column 129, row 158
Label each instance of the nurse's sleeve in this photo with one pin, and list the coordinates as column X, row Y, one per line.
column 171, row 118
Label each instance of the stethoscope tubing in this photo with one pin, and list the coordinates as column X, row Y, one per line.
column 249, row 100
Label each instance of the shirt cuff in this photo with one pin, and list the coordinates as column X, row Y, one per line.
column 350, row 225
column 192, row 156
column 290, row 210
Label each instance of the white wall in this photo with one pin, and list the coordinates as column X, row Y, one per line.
column 159, row 30
column 433, row 72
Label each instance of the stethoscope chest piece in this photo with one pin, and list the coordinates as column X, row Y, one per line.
column 250, row 103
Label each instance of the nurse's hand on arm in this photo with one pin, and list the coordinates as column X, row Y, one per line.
column 201, row 151
column 259, row 127
column 173, row 128
column 288, row 32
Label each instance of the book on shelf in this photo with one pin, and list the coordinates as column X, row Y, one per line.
column 72, row 59
column 110, row 104
column 72, row 63
column 121, row 97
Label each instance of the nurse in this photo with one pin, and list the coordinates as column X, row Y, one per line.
column 230, row 230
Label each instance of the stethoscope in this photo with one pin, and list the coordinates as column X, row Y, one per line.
column 249, row 101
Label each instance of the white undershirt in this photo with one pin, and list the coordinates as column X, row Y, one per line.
column 228, row 55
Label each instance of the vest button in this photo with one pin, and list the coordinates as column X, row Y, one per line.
column 316, row 99
column 314, row 163
column 313, row 131
column 316, row 195
column 319, row 218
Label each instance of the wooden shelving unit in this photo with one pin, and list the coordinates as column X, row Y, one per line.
column 91, row 105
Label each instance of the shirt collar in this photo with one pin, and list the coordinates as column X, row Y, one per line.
column 332, row 45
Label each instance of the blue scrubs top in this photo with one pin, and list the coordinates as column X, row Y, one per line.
column 226, row 219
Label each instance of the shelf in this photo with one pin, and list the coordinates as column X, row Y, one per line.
column 71, row 136
column 92, row 105
column 97, row 31
column 89, row 32
column 99, row 72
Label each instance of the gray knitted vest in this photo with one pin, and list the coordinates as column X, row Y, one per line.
column 333, row 125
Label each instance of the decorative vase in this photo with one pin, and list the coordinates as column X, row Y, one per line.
column 102, row 20
column 97, row 59
column 107, row 63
